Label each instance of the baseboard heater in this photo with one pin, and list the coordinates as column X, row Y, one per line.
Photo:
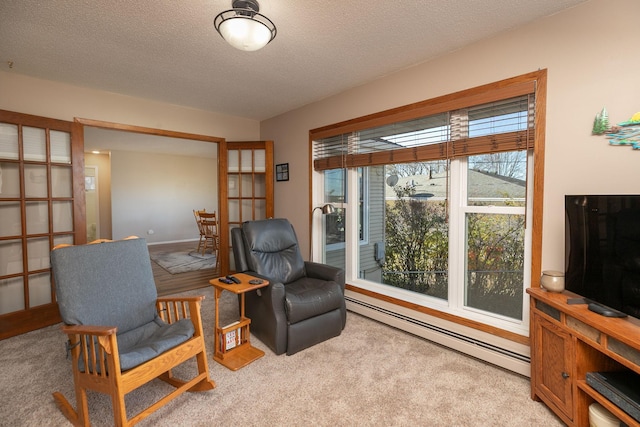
column 505, row 358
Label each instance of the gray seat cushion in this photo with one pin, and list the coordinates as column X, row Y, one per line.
column 148, row 341
column 309, row 297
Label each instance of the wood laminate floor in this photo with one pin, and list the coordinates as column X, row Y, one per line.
column 168, row 283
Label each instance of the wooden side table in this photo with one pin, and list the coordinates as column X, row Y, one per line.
column 232, row 347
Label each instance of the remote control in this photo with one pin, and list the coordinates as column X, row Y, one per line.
column 605, row 311
column 225, row 280
column 234, row 279
column 255, row 281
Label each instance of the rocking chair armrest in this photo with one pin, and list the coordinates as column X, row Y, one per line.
column 89, row 330
column 180, row 299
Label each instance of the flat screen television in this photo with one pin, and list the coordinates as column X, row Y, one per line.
column 602, row 249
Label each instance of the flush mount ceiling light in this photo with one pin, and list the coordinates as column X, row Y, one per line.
column 243, row 27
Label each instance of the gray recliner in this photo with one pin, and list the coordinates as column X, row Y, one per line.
column 304, row 302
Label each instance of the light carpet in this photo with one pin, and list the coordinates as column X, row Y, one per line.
column 182, row 262
column 371, row 375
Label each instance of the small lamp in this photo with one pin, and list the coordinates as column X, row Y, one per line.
column 243, row 27
column 326, row 210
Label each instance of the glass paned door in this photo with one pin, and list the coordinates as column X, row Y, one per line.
column 38, row 210
column 246, row 191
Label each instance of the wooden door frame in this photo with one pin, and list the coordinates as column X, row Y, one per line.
column 224, row 239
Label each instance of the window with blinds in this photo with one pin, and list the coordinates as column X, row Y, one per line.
column 451, row 184
column 492, row 127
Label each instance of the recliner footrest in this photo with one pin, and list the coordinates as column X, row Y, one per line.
column 313, row 331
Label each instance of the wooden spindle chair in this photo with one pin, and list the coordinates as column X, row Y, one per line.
column 120, row 334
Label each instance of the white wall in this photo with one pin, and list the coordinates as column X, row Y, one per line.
column 591, row 61
column 102, row 163
column 63, row 101
column 159, row 192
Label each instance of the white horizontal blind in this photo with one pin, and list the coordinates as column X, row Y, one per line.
column 9, row 141
column 34, row 144
column 502, row 125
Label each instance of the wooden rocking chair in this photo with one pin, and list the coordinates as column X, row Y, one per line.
column 121, row 335
column 209, row 237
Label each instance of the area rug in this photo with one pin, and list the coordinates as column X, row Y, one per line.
column 182, row 262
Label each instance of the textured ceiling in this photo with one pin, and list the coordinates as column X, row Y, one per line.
column 168, row 50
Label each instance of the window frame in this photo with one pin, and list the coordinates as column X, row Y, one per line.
column 473, row 96
column 458, row 249
column 364, row 239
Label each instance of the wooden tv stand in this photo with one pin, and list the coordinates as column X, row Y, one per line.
column 569, row 340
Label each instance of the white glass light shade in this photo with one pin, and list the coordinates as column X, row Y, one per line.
column 245, row 33
column 243, row 27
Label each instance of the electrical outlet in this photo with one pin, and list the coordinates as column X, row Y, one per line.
column 150, row 231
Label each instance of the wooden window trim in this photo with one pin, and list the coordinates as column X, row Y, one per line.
column 491, row 92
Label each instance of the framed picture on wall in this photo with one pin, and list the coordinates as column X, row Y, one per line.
column 282, row 172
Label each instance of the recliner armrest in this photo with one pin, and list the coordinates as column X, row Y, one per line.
column 325, row 272
column 274, row 293
column 239, row 256
column 266, row 308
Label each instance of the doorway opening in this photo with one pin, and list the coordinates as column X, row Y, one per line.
column 148, row 186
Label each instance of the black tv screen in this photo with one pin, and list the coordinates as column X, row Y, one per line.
column 602, row 249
